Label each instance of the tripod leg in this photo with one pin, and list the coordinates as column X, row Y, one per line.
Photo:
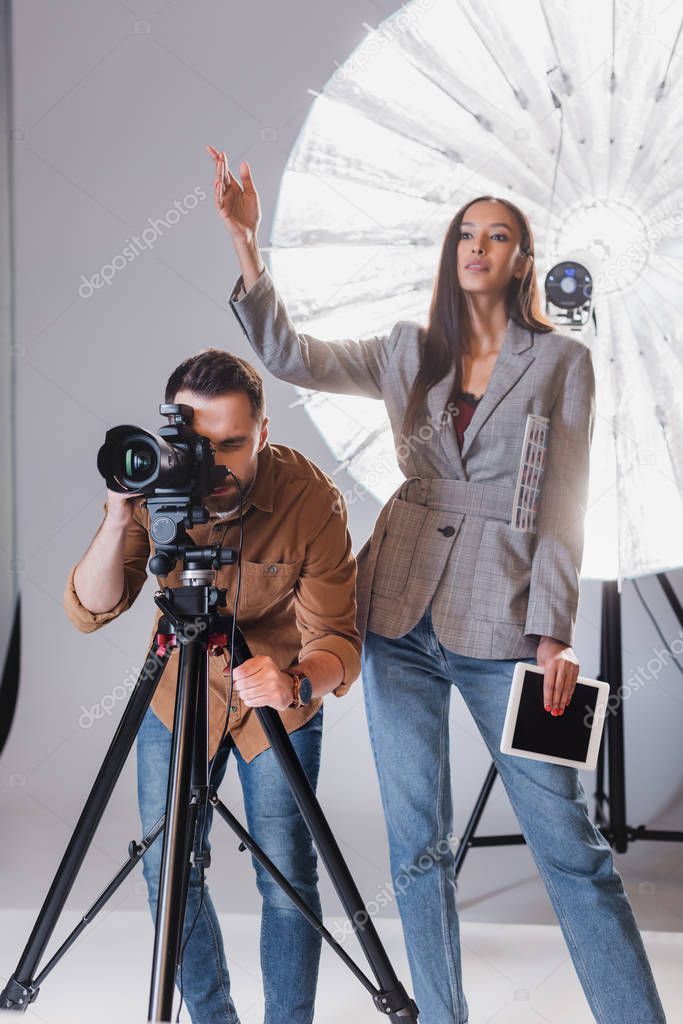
column 615, row 721
column 19, row 989
column 392, row 999
column 181, row 817
column 475, row 817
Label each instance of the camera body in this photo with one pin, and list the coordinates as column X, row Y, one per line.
column 174, row 469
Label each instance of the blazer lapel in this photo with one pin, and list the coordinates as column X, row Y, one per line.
column 512, row 362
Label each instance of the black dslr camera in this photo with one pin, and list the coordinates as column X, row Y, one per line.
column 174, row 469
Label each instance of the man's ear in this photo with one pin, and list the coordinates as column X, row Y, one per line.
column 264, row 434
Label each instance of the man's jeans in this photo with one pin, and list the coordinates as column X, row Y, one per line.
column 290, row 947
column 408, row 683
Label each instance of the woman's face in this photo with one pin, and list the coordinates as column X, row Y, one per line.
column 489, row 253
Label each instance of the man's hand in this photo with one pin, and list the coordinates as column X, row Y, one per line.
column 260, row 683
column 120, row 507
column 560, row 672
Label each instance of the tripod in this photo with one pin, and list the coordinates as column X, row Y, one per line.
column 191, row 620
column 613, row 826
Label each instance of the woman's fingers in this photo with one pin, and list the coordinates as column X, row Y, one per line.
column 247, row 180
column 549, row 670
column 558, row 688
column 559, row 682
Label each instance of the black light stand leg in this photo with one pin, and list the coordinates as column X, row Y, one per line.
column 600, row 795
column 468, row 839
column 615, row 721
column 20, row 989
column 181, row 818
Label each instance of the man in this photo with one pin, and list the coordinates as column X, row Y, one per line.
column 297, row 609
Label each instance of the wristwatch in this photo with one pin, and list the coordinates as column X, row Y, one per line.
column 303, row 688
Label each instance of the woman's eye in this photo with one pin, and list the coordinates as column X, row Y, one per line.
column 503, row 238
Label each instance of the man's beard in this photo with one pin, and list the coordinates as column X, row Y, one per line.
column 230, row 502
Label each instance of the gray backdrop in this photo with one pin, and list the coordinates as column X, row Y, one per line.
column 115, row 102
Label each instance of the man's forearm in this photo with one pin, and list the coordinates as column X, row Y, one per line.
column 251, row 262
column 99, row 577
column 324, row 669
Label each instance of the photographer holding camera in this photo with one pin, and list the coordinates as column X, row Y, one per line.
column 297, row 611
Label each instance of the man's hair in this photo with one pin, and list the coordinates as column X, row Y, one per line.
column 213, row 372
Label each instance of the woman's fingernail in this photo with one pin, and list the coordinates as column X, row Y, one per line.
column 547, row 707
column 555, row 712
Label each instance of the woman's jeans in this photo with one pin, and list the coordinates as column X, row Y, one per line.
column 290, row 947
column 408, row 683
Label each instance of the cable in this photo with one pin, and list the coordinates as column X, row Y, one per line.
column 225, row 727
column 656, row 625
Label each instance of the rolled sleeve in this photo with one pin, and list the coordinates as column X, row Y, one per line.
column 325, row 594
column 82, row 617
column 136, row 553
column 558, row 550
column 348, row 367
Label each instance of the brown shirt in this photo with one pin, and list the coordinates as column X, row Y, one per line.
column 297, row 589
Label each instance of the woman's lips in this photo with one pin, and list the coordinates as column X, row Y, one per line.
column 475, row 268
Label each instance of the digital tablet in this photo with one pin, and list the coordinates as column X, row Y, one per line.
column 572, row 738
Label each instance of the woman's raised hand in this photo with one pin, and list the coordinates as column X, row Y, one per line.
column 238, row 205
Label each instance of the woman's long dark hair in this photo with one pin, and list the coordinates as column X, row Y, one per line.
column 446, row 337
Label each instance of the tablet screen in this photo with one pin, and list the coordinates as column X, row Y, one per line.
column 539, row 732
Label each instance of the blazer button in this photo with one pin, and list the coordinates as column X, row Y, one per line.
column 447, row 531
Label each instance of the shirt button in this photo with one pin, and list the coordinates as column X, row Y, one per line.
column 447, row 531
column 272, row 568
column 233, row 707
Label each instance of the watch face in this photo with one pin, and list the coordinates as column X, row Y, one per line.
column 305, row 690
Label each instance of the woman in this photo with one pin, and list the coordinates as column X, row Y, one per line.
column 463, row 577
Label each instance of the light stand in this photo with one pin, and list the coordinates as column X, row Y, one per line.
column 613, row 826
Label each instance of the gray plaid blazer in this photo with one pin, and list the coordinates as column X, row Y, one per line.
column 447, row 535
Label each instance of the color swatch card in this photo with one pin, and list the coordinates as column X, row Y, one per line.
column 530, row 475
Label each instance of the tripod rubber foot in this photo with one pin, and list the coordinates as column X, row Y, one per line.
column 16, row 996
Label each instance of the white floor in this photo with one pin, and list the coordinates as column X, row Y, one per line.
column 514, row 974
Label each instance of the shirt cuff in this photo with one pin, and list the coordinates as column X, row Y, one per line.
column 85, row 620
column 345, row 651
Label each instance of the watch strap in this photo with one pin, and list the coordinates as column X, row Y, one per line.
column 297, row 675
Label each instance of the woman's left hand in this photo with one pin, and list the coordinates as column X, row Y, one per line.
column 560, row 672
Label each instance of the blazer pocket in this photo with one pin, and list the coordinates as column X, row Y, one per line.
column 397, row 548
column 500, row 585
column 266, row 583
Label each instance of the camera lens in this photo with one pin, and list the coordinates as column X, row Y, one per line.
column 138, row 463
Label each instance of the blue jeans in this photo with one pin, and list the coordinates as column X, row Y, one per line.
column 290, row 947
column 408, row 683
